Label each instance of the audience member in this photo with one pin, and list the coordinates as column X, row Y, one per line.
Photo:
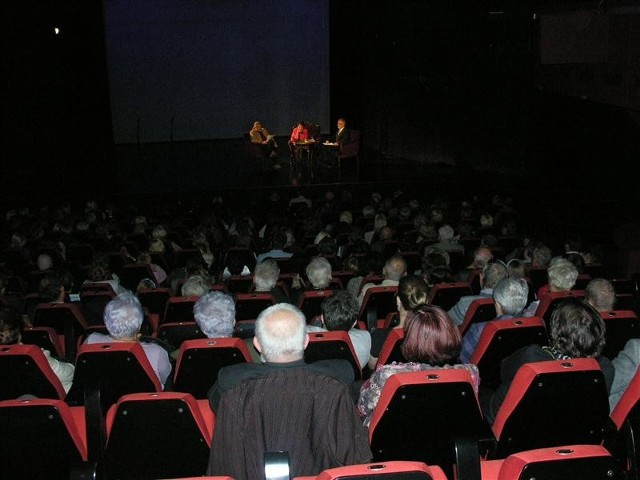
column 215, row 314
column 265, row 280
column 277, row 243
column 280, row 337
column 626, row 365
column 492, row 273
column 340, row 312
column 10, row 328
column 394, row 269
column 481, row 257
column 319, row 273
column 562, row 275
column 447, row 240
column 123, row 318
column 195, row 286
column 413, row 292
column 158, row 272
column 304, row 409
column 431, row 341
column 99, row 272
column 576, row 331
column 516, row 268
column 600, row 294
column 510, row 298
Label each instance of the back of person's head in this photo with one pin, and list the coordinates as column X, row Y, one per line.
column 413, row 291
column 159, row 232
column 328, row 246
column 215, row 314
column 281, row 333
column 123, row 316
column 50, row 287
column 266, row 274
column 99, row 271
column 431, row 337
column 319, row 272
column 435, row 275
column 576, row 329
column 145, row 284
column 516, row 268
column 445, row 233
column 339, row 311
column 541, row 255
column 493, row 272
column 278, row 239
column 10, row 326
column 562, row 274
column 395, row 268
column 379, row 221
column 512, row 294
column 435, row 257
column 600, row 294
column 44, row 261
column 195, row 286
column 577, row 259
column 386, row 233
column 481, row 257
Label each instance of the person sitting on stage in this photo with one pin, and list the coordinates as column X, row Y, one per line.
column 300, row 133
column 269, row 146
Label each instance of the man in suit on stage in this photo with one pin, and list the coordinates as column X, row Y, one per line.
column 343, row 133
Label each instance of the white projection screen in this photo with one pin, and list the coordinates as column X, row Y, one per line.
column 206, row 69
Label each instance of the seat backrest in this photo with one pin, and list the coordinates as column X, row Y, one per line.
column 550, row 301
column 426, row 416
column 499, row 339
column 133, row 273
column 391, row 348
column 377, row 303
column 249, row 305
column 394, row 470
column 586, row 462
column 179, row 309
column 332, row 345
column 157, row 435
column 44, row 337
column 480, row 310
column 93, row 303
column 41, row 438
column 199, row 362
column 538, row 276
column 155, row 299
column 174, row 333
column 115, row 369
column 446, row 294
column 620, row 326
column 316, row 424
column 24, row 369
column 66, row 319
column 310, row 302
column 552, row 403
column 239, row 283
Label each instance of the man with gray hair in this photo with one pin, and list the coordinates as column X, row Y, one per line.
column 123, row 318
column 492, row 273
column 280, row 337
column 394, row 269
column 285, row 404
column 510, row 297
column 562, row 276
column 215, row 314
column 265, row 279
column 600, row 294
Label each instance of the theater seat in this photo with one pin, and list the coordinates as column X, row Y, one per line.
column 43, row 439
column 24, row 369
column 394, row 470
column 572, row 462
column 332, row 345
column 158, row 435
column 552, row 403
column 430, row 416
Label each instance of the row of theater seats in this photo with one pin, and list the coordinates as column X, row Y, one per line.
column 431, row 417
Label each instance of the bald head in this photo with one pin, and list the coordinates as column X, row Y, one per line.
column 281, row 334
column 395, row 268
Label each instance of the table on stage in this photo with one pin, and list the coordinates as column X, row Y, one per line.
column 304, row 148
